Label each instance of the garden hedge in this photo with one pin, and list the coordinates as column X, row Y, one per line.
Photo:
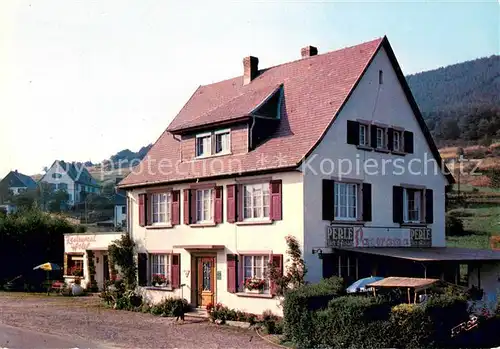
column 366, row 321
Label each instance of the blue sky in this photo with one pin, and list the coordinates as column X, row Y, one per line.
column 81, row 80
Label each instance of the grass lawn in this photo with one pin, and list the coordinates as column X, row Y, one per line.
column 469, row 241
column 480, row 220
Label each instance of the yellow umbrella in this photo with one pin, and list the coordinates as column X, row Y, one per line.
column 48, row 267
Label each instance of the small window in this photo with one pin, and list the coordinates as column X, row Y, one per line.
column 204, row 205
column 160, row 270
column 203, row 145
column 363, row 135
column 56, row 175
column 380, row 77
column 124, row 209
column 75, row 265
column 256, row 201
column 381, row 138
column 256, row 273
column 161, row 204
column 396, row 141
column 412, row 205
column 222, row 145
column 346, row 201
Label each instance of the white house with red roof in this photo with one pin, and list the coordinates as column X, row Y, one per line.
column 329, row 148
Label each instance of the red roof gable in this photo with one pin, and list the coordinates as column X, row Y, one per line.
column 315, row 89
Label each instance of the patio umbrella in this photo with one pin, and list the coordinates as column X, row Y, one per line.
column 48, row 267
column 359, row 286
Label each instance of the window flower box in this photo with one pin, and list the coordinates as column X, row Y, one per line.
column 254, row 285
column 159, row 280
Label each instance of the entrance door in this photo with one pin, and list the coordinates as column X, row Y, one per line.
column 205, row 280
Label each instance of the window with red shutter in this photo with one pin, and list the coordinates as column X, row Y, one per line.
column 231, row 203
column 176, row 208
column 142, row 210
column 176, row 270
column 218, row 205
column 192, row 206
column 239, row 203
column 186, row 210
column 232, row 286
column 276, row 201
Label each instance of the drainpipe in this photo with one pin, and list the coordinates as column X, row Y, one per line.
column 251, row 132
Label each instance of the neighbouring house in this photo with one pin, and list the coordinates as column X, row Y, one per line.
column 16, row 182
column 73, row 178
column 330, row 148
column 120, row 214
column 83, row 250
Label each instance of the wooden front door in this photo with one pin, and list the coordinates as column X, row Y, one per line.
column 205, row 280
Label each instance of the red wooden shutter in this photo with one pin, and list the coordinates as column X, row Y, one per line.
column 231, row 273
column 192, row 206
column 142, row 210
column 175, row 270
column 186, row 207
column 239, row 202
column 142, row 268
column 176, row 208
column 231, row 203
column 276, row 202
column 277, row 260
column 218, row 205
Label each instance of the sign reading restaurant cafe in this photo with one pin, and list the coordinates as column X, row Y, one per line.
column 354, row 236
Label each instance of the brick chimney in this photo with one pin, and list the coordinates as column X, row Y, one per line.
column 308, row 51
column 250, row 69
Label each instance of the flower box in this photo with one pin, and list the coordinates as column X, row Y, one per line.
column 255, row 291
column 254, row 285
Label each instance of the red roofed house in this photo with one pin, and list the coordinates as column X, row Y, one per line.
column 250, row 160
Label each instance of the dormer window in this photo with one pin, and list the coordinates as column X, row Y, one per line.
column 222, row 142
column 216, row 143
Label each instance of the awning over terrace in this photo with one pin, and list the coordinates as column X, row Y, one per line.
column 431, row 254
column 402, row 282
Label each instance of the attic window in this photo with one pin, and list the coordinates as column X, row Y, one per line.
column 380, row 77
column 216, row 143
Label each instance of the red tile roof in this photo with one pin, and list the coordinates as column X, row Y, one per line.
column 315, row 88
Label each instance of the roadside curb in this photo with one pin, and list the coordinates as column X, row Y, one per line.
column 269, row 341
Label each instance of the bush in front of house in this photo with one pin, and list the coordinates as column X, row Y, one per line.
column 171, row 306
column 454, row 226
column 271, row 323
column 300, row 302
column 371, row 322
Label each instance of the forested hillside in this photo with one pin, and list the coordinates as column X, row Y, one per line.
column 461, row 102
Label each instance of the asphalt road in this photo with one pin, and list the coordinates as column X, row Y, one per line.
column 14, row 337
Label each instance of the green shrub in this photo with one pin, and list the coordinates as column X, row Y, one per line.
column 299, row 303
column 352, row 321
column 454, row 226
column 272, row 323
column 412, row 326
column 170, row 306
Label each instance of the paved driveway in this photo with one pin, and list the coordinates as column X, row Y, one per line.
column 28, row 321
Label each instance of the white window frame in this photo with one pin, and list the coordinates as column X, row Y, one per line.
column 253, row 268
column 365, row 133
column 257, row 202
column 418, row 205
column 206, row 152
column 160, row 263
column 347, row 203
column 228, row 145
column 382, row 138
column 205, row 214
column 397, row 135
column 167, row 208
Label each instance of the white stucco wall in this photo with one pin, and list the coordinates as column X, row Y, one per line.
column 235, row 238
column 385, row 104
column 98, row 243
